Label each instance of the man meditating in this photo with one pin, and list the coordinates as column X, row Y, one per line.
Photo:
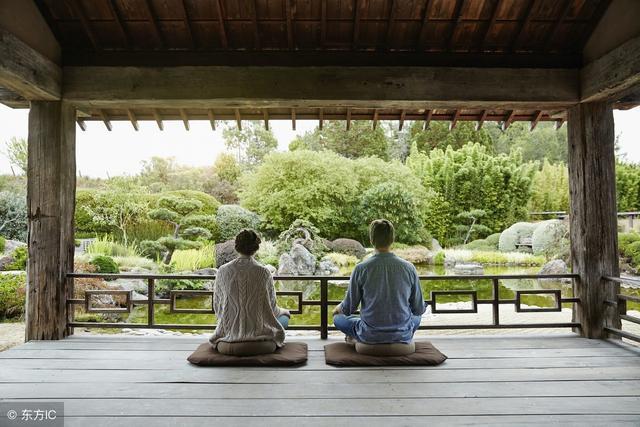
column 245, row 303
column 388, row 290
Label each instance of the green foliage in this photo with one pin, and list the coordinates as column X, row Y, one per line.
column 550, row 189
column 632, row 252
column 315, row 244
column 105, row 264
column 20, row 256
column 545, row 142
column 107, row 246
column 628, row 186
column 468, row 225
column 493, row 240
column 268, row 253
column 12, row 296
column 2, row 244
column 252, row 143
column 13, row 215
column 494, row 257
column 209, row 205
column 194, row 259
column 341, row 260
column 17, row 153
column 361, row 140
column 233, row 218
column 396, row 203
column 470, row 178
column 480, row 245
column 438, row 136
column 115, row 210
column 164, row 286
column 510, row 237
column 439, row 258
column 227, row 168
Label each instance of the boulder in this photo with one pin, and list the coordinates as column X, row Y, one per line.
column 225, row 252
column 286, row 265
column 12, row 245
column 435, row 245
column 468, row 268
column 206, row 272
column 304, row 260
column 5, row 261
column 349, row 247
column 555, row 266
column 326, row 267
column 550, row 238
column 515, row 235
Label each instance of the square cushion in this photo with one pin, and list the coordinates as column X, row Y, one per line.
column 292, row 353
column 386, row 350
column 343, row 354
column 247, row 348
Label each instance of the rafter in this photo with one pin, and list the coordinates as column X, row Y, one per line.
column 348, row 118
column 254, row 20
column 238, row 119
column 78, row 10
column 536, row 119
column 212, row 119
column 492, row 21
column 527, row 18
column 392, row 18
column 457, row 15
column 403, row 114
column 356, row 23
column 508, row 120
column 289, row 18
column 187, row 24
column 154, row 22
column 265, row 113
column 483, row 117
column 221, row 25
column 105, row 120
column 133, row 119
column 156, row 116
column 559, row 123
column 427, row 118
column 118, row 19
column 454, row 120
column 375, row 119
column 423, row 28
column 551, row 35
column 82, row 124
column 293, row 118
column 185, row 118
column 320, row 118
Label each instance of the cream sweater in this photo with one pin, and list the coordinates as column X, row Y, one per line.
column 245, row 304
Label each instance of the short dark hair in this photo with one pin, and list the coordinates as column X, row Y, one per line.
column 381, row 233
column 247, row 242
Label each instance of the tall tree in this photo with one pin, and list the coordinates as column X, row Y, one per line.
column 544, row 142
column 251, row 143
column 439, row 136
column 361, row 140
column 17, row 153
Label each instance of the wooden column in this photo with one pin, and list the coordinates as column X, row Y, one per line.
column 51, row 183
column 594, row 235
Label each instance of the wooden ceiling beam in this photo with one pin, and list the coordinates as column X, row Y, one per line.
column 238, row 118
column 289, row 18
column 422, row 37
column 348, row 118
column 187, row 24
column 356, row 23
column 118, row 19
column 392, row 17
column 78, row 10
column 375, row 119
column 293, row 118
column 212, row 119
column 105, row 120
column 221, row 25
column 492, row 21
column 535, row 120
column 320, row 118
column 427, row 118
column 254, row 20
column 185, row 118
column 82, row 124
column 454, row 120
column 151, row 16
column 323, row 23
column 457, row 16
column 156, row 116
column 133, row 119
column 265, row 113
column 551, row 35
column 403, row 114
column 483, row 117
column 517, row 41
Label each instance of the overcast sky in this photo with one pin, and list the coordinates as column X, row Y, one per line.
column 101, row 153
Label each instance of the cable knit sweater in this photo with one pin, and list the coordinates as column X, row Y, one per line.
column 245, row 303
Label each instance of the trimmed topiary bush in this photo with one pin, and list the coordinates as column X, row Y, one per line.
column 510, row 237
column 493, row 240
column 480, row 245
column 348, row 247
column 209, row 203
column 12, row 295
column 233, row 218
column 550, row 238
column 105, row 264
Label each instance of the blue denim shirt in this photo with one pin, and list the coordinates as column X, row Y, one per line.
column 388, row 290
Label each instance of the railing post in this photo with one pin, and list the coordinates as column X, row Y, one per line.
column 324, row 308
column 151, row 292
column 496, row 302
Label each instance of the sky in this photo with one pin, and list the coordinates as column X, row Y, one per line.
column 101, row 153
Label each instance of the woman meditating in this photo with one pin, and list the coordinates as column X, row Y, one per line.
column 249, row 319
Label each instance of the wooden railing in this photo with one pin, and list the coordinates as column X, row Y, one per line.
column 621, row 304
column 324, row 303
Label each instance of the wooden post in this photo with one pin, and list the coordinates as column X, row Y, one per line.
column 593, row 217
column 51, row 183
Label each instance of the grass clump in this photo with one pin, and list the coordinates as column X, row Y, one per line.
column 495, row 257
column 194, row 259
column 108, row 247
column 2, row 244
column 341, row 260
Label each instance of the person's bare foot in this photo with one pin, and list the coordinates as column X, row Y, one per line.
column 350, row 340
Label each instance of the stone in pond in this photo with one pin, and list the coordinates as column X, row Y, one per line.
column 468, row 269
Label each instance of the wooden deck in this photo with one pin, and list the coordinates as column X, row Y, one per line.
column 133, row 381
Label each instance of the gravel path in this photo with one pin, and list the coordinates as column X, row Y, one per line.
column 11, row 334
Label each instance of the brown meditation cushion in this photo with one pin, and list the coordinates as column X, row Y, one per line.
column 386, row 350
column 343, row 354
column 247, row 348
column 292, row 353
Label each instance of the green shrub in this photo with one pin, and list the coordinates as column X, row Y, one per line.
column 2, row 244
column 127, row 263
column 439, row 258
column 341, row 260
column 495, row 257
column 194, row 259
column 165, row 286
column 510, row 237
column 268, row 253
column 493, row 240
column 12, row 295
column 105, row 264
column 550, row 189
column 107, row 246
column 480, row 245
column 209, row 204
column 550, row 238
column 145, row 230
column 13, row 214
column 233, row 218
column 632, row 252
column 625, row 239
column 20, row 255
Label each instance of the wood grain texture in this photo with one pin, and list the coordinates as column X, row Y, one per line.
column 594, row 234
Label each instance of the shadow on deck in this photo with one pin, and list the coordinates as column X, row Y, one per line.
column 118, row 380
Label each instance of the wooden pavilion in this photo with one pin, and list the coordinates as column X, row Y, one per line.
column 570, row 61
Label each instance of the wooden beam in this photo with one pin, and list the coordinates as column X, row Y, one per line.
column 609, row 76
column 392, row 18
column 370, row 87
column 517, row 41
column 403, row 114
column 105, row 120
column 536, row 119
column 422, row 35
column 26, row 72
column 185, row 118
column 321, row 118
column 492, row 21
column 289, row 18
column 221, row 25
column 51, row 186
column 293, row 118
column 118, row 18
column 454, row 120
column 151, row 16
column 78, row 10
column 356, row 23
column 133, row 119
column 238, row 119
column 187, row 25
column 457, row 16
column 427, row 118
column 551, row 35
column 323, row 23
column 559, row 123
column 375, row 119
column 156, row 116
column 82, row 124
column 593, row 216
column 11, row 99
column 508, row 120
column 348, row 118
column 265, row 113
column 483, row 117
column 254, row 20
column 212, row 119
